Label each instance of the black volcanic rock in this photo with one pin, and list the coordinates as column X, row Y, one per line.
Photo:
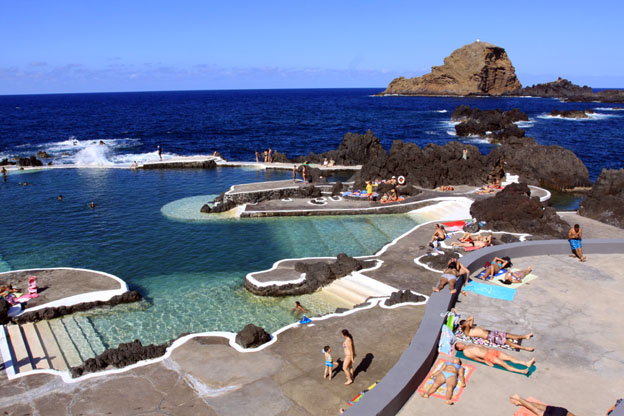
column 513, row 210
column 402, row 296
column 29, row 161
column 317, row 275
column 4, row 311
column 553, row 167
column 252, row 336
column 428, row 167
column 572, row 113
column 605, row 201
column 564, row 89
column 474, row 121
column 355, row 149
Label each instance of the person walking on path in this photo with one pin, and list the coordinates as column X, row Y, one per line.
column 349, row 354
column 575, row 237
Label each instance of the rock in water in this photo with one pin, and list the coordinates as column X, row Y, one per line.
column 252, row 336
column 478, row 68
column 605, row 201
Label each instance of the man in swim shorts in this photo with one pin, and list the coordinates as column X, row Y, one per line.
column 575, row 237
column 538, row 408
column 496, row 338
column 490, row 357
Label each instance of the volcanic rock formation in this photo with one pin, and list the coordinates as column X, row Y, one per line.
column 252, row 336
column 477, row 68
column 355, row 149
column 572, row 113
column 605, row 201
column 497, row 125
column 514, row 210
column 564, row 89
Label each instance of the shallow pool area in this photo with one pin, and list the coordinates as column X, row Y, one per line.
column 144, row 229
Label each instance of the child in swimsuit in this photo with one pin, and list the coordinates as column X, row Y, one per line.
column 329, row 362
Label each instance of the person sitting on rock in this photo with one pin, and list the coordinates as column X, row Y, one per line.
column 516, row 277
column 438, row 236
column 392, row 196
column 447, row 374
column 539, row 409
column 493, row 357
column 496, row 338
column 325, row 162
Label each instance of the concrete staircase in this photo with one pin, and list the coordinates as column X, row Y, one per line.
column 58, row 344
column 354, row 289
column 443, row 211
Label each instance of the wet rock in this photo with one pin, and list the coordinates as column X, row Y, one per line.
column 252, row 336
column 572, row 113
column 474, row 121
column 508, row 238
column 605, row 201
column 42, row 155
column 514, row 210
column 203, row 164
column 29, row 161
column 440, row 261
column 402, row 296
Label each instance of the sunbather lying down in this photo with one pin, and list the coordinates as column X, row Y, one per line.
column 538, row 408
column 448, row 374
column 497, row 338
column 491, row 356
column 516, row 277
column 484, row 243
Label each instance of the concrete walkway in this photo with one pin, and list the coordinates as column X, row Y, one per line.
column 207, row 377
column 573, row 308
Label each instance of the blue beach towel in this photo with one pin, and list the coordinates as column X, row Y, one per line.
column 501, row 272
column 491, row 291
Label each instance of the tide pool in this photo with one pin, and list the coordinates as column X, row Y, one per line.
column 189, row 268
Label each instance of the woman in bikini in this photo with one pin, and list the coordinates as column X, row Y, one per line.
column 496, row 266
column 516, row 277
column 487, row 241
column 349, row 354
column 448, row 374
column 496, row 338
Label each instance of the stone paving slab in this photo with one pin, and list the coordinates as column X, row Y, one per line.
column 573, row 308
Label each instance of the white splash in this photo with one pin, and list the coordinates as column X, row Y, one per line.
column 93, row 155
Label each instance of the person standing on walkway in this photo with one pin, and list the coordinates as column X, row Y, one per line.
column 294, row 173
column 575, row 237
column 159, row 152
column 4, row 174
column 349, row 354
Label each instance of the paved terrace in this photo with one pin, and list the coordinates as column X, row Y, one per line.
column 570, row 308
column 205, row 376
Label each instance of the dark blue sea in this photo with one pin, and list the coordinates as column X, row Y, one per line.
column 237, row 123
column 146, row 227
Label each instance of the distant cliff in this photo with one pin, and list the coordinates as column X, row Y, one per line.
column 566, row 90
column 477, row 68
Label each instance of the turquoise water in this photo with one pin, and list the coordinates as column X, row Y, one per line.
column 190, row 269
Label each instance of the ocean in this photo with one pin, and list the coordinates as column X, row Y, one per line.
column 146, row 228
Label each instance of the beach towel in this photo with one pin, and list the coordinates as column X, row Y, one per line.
column 491, row 291
column 359, row 396
column 441, row 391
column 528, row 278
column 305, row 320
column 501, row 272
column 461, row 355
column 454, row 225
column 460, row 336
column 447, row 339
column 522, row 411
column 473, row 248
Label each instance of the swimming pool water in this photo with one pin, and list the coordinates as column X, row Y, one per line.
column 190, row 270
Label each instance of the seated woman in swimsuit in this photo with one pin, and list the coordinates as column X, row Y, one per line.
column 496, row 338
column 516, row 277
column 448, row 374
column 496, row 266
column 6, row 290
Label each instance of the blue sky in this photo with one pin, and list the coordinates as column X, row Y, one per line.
column 89, row 46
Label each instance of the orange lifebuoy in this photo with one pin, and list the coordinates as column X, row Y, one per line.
column 401, row 180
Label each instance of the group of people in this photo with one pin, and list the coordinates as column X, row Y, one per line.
column 265, row 157
column 348, row 347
